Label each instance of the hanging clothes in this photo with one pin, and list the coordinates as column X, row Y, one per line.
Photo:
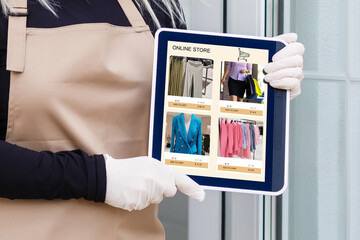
column 252, row 138
column 245, row 141
column 257, row 135
column 229, row 152
column 241, row 138
column 223, row 138
column 245, row 151
column 176, row 78
column 193, row 79
column 238, row 138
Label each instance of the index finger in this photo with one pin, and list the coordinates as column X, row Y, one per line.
column 188, row 186
column 290, row 50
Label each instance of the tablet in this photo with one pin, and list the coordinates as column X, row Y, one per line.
column 212, row 115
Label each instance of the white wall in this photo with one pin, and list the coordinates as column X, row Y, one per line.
column 324, row 190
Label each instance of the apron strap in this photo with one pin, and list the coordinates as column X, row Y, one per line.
column 17, row 31
column 133, row 14
column 16, row 37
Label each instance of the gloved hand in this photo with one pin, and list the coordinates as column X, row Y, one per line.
column 135, row 183
column 285, row 72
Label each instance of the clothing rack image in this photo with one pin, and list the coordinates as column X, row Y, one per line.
column 187, row 76
column 240, row 140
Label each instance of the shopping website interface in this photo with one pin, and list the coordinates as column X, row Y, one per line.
column 215, row 111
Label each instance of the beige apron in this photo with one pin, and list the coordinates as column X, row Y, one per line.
column 83, row 86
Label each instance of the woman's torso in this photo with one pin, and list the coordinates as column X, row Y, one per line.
column 235, row 69
column 70, row 12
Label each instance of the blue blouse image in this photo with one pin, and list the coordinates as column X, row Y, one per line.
column 186, row 142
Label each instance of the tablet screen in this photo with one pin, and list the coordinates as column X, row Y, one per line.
column 215, row 111
column 213, row 117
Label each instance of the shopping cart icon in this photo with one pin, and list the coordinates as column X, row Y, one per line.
column 243, row 55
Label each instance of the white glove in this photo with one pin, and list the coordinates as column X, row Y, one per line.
column 285, row 71
column 135, row 183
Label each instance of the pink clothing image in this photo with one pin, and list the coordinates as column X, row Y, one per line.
column 240, row 137
column 257, row 135
column 223, row 138
column 235, row 139
column 229, row 151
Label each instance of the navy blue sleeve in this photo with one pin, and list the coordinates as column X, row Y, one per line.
column 27, row 174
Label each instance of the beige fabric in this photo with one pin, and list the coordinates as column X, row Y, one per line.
column 84, row 86
column 17, row 37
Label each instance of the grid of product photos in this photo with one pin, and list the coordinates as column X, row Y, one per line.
column 215, row 111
